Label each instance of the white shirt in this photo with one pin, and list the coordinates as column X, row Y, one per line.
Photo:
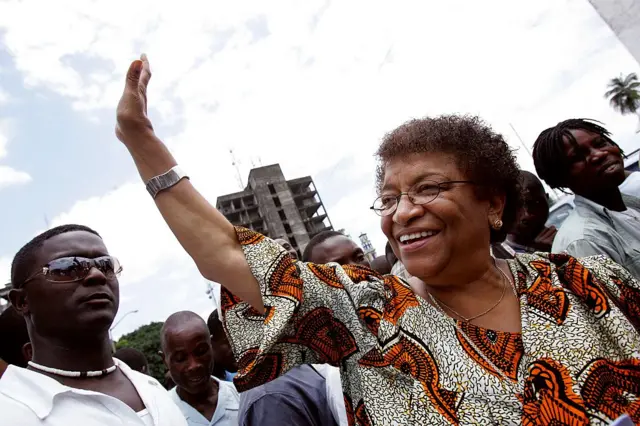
column 334, row 392
column 592, row 229
column 226, row 413
column 28, row 398
column 145, row 416
column 631, row 185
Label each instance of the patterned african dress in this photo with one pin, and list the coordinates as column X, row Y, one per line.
column 403, row 362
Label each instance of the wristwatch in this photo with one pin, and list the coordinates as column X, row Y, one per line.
column 165, row 181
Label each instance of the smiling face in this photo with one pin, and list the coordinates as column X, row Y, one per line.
column 441, row 241
column 188, row 355
column 595, row 164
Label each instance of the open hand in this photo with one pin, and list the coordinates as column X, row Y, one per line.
column 132, row 120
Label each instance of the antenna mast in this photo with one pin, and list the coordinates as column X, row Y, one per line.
column 234, row 163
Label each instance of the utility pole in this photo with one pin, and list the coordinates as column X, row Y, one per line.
column 553, row 192
column 211, row 293
column 234, row 163
column 521, row 141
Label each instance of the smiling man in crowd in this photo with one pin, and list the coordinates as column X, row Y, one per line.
column 580, row 155
column 188, row 354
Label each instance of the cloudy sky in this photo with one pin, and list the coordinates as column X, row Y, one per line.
column 312, row 85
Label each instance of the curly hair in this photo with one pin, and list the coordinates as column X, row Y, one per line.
column 549, row 155
column 481, row 154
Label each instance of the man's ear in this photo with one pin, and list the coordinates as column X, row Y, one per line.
column 27, row 351
column 18, row 298
column 164, row 359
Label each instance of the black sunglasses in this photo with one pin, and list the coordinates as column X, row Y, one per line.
column 70, row 269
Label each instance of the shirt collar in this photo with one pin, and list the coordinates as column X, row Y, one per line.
column 227, row 399
column 32, row 389
column 37, row 391
column 580, row 201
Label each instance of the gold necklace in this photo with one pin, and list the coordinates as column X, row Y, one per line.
column 514, row 388
column 505, row 281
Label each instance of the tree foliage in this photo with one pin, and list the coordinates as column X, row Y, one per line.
column 146, row 339
column 624, row 94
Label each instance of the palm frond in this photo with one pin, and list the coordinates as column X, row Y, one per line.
column 624, row 93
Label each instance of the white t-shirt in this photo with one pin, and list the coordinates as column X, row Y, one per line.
column 28, row 398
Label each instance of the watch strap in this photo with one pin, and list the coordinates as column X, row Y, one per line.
column 165, row 181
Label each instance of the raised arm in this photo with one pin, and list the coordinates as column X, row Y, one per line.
column 202, row 231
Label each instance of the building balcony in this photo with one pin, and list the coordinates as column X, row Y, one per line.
column 307, row 193
column 299, row 185
column 308, row 209
column 239, row 204
column 314, row 219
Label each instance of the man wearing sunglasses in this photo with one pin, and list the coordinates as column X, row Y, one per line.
column 66, row 287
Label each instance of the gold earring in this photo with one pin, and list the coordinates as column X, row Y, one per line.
column 497, row 224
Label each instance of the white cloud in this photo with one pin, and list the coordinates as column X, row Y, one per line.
column 309, row 85
column 5, row 270
column 4, row 97
column 8, row 175
column 5, row 132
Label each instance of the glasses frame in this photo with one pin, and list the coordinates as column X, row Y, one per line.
column 45, row 269
column 410, row 194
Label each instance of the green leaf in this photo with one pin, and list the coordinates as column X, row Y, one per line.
column 146, row 339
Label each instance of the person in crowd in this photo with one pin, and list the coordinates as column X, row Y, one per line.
column 631, row 184
column 188, row 354
column 397, row 268
column 308, row 394
column 381, row 265
column 65, row 286
column 168, row 381
column 580, row 155
column 288, row 247
column 479, row 340
column 529, row 233
column 334, row 246
column 134, row 359
column 390, row 255
column 15, row 348
column 225, row 367
column 302, row 397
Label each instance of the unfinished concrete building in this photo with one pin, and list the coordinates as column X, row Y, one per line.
column 276, row 207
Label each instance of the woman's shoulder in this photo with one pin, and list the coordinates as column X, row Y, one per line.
column 528, row 267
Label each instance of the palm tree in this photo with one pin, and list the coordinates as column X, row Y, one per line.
column 624, row 94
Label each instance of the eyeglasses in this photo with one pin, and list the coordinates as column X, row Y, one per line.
column 70, row 269
column 423, row 193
